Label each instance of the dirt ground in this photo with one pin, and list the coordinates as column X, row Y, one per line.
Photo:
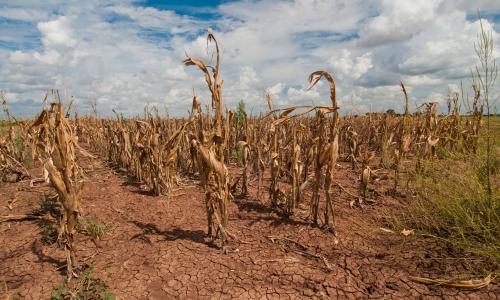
column 155, row 248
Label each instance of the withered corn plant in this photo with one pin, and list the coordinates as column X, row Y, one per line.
column 258, row 141
column 287, row 137
column 365, row 158
column 148, row 149
column 15, row 148
column 276, row 194
column 56, row 146
column 210, row 148
column 473, row 125
column 403, row 140
column 327, row 151
column 244, row 149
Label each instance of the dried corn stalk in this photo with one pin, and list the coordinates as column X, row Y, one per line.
column 210, row 152
column 404, row 141
column 13, row 147
column 55, row 146
column 327, row 150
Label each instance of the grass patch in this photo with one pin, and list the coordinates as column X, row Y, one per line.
column 95, row 228
column 452, row 203
column 88, row 287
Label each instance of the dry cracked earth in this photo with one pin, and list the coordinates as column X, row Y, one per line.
column 156, row 248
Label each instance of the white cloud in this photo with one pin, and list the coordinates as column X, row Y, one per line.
column 124, row 55
column 349, row 68
column 248, row 77
column 276, row 89
column 23, row 14
column 416, row 80
column 453, row 88
column 57, row 33
column 397, row 21
column 176, row 73
column 300, row 96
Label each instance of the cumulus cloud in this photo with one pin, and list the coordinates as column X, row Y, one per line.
column 124, row 55
column 302, row 95
column 397, row 21
column 276, row 89
column 418, row 80
column 351, row 68
column 57, row 33
column 248, row 77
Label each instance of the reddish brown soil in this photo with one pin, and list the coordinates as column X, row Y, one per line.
column 156, row 249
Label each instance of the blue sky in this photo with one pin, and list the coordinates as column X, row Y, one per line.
column 124, row 54
column 197, row 8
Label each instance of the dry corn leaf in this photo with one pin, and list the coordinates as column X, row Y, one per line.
column 287, row 111
column 386, row 230
column 407, row 232
column 471, row 284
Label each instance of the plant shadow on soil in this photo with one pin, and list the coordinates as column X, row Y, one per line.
column 136, row 185
column 269, row 214
column 36, row 249
column 49, row 209
column 197, row 236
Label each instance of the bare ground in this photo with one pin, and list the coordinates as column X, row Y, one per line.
column 156, row 248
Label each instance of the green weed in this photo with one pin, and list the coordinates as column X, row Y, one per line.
column 88, row 287
column 95, row 228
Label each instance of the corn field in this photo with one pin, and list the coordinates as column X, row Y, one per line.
column 283, row 151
